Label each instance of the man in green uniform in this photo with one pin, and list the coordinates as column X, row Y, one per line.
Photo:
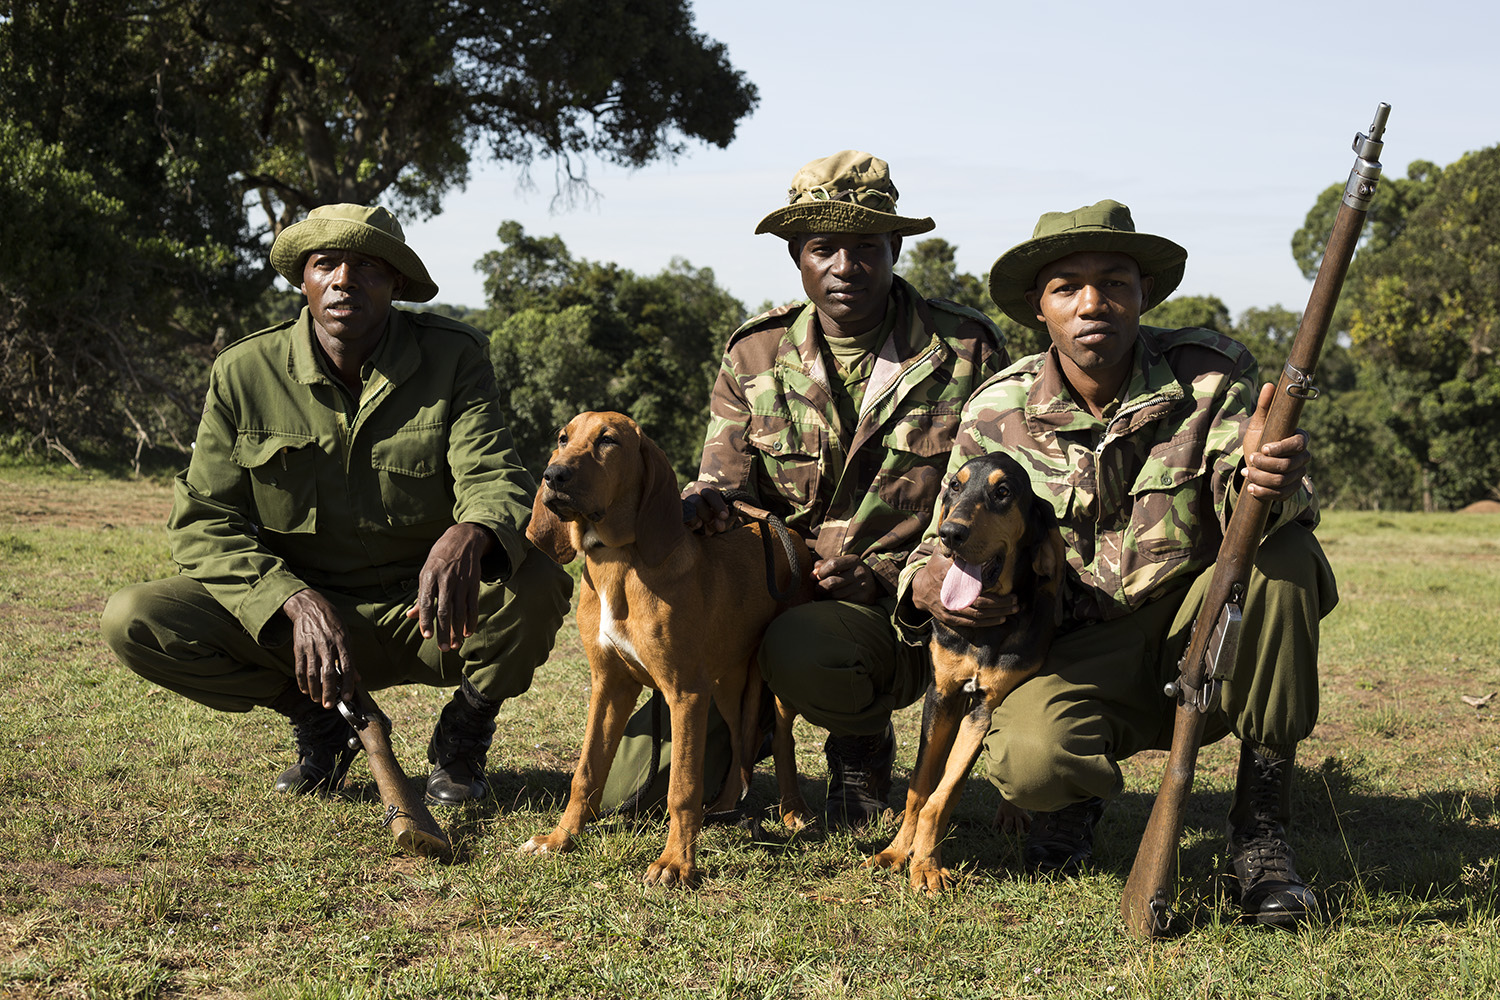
column 1140, row 438
column 836, row 414
column 353, row 510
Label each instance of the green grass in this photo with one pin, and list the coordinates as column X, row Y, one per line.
column 143, row 854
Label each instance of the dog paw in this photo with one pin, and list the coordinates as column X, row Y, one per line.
column 931, row 878
column 671, row 874
column 555, row 842
column 797, row 817
column 895, row 860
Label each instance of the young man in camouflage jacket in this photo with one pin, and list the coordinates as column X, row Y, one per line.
column 837, row 414
column 1140, row 438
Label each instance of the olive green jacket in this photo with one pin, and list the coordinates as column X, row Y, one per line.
column 868, row 489
column 1143, row 494
column 293, row 485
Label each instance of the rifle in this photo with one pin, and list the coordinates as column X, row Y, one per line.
column 413, row 825
column 1146, row 903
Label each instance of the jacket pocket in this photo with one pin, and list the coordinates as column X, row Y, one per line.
column 917, row 447
column 409, row 464
column 789, row 454
column 1167, row 510
column 283, row 471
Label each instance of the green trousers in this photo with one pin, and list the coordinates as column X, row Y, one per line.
column 174, row 633
column 838, row 664
column 1098, row 700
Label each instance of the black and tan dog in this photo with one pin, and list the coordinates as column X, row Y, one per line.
column 661, row 607
column 1002, row 540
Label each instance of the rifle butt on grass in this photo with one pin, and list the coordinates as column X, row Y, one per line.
column 1150, row 890
column 411, row 822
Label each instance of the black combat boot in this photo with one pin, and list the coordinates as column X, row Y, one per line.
column 326, row 745
column 460, row 747
column 1062, row 842
column 859, row 778
column 1270, row 890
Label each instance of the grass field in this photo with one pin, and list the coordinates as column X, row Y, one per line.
column 143, row 853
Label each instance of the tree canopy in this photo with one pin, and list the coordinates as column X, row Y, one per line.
column 201, row 128
column 1424, row 318
column 932, row 269
column 573, row 335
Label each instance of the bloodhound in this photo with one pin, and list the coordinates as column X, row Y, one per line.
column 1002, row 540
column 662, row 607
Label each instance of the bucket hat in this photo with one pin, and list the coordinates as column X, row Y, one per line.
column 366, row 228
column 1103, row 227
column 848, row 192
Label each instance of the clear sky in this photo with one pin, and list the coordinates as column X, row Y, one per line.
column 1219, row 124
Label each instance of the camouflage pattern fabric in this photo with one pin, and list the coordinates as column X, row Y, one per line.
column 868, row 489
column 1143, row 494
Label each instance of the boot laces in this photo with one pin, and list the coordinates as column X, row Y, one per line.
column 1262, row 840
column 854, row 757
column 1069, row 828
column 463, row 735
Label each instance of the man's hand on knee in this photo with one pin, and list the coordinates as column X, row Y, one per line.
column 846, row 578
column 324, row 669
column 448, row 587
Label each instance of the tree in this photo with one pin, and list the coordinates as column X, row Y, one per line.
column 212, row 125
column 1208, row 311
column 612, row 340
column 1395, row 199
column 931, row 268
column 1425, row 323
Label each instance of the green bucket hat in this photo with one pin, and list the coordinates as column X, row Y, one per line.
column 1105, row 227
column 366, row 228
column 848, row 192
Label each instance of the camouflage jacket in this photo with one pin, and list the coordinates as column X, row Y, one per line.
column 292, row 486
column 774, row 428
column 1142, row 495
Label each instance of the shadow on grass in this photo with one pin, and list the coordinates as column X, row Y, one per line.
column 1430, row 858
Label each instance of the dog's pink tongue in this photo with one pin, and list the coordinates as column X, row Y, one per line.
column 961, row 586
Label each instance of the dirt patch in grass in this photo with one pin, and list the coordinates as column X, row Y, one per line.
column 1482, row 507
column 84, row 503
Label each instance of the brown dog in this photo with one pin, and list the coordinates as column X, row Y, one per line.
column 661, row 607
column 1002, row 540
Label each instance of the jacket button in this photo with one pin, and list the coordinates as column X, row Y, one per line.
column 776, row 446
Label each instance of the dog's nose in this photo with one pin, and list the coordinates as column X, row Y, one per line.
column 556, row 474
column 954, row 533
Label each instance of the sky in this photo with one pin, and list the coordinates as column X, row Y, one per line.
column 1218, row 124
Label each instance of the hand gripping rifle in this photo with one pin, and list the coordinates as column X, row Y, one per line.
column 415, row 829
column 1146, row 903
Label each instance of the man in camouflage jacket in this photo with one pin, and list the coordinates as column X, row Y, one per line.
column 1140, row 438
column 353, row 509
column 836, row 414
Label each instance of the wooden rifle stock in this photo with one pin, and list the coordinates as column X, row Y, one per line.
column 412, row 824
column 1146, row 903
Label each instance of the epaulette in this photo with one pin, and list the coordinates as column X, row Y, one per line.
column 247, row 338
column 767, row 319
column 438, row 321
column 1029, row 365
column 958, row 308
column 1197, row 336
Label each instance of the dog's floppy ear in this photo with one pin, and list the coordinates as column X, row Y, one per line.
column 550, row 533
column 658, row 517
column 1047, row 555
column 1049, row 558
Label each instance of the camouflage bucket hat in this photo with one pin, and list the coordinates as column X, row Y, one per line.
column 848, row 192
column 366, row 228
column 1105, row 227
